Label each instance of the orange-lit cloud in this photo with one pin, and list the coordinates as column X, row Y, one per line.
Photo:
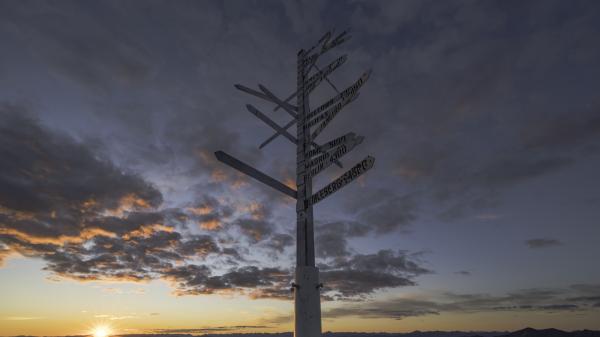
column 83, row 236
column 211, row 225
column 147, row 230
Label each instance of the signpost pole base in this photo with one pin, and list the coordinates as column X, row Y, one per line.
column 307, row 313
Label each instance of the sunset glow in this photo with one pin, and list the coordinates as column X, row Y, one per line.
column 141, row 195
column 101, row 331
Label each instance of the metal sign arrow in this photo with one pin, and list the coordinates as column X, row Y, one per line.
column 317, row 78
column 345, row 93
column 326, row 46
column 270, row 123
column 254, row 173
column 280, row 130
column 348, row 91
column 330, row 145
column 322, row 162
column 265, row 97
column 343, row 180
column 329, row 114
column 277, row 101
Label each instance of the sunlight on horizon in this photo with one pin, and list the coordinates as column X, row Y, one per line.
column 101, row 331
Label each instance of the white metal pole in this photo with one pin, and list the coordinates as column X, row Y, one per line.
column 307, row 306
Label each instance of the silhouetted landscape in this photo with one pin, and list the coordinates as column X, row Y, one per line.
column 527, row 332
column 358, row 168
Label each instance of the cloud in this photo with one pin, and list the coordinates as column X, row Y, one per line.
column 542, row 243
column 86, row 231
column 255, row 230
column 89, row 220
column 538, row 300
column 95, row 211
column 383, row 209
column 361, row 275
column 279, row 242
column 332, row 238
column 254, row 281
column 207, row 330
column 100, row 55
column 51, row 179
column 210, row 213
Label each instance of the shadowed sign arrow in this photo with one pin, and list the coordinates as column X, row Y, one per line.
column 353, row 173
column 254, row 173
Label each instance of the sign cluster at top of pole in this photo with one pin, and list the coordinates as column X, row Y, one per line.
column 317, row 157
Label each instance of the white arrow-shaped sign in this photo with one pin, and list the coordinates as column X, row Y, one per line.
column 265, row 97
column 326, row 46
column 322, row 162
column 317, row 78
column 345, row 93
column 356, row 171
column 330, row 145
column 329, row 115
column 348, row 91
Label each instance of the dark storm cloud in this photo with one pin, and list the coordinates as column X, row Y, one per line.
column 279, row 242
column 383, row 261
column 53, row 186
column 360, row 275
column 457, row 73
column 210, row 214
column 383, row 210
column 332, row 238
column 254, row 281
column 352, row 284
column 542, row 243
column 538, row 300
column 467, row 100
column 558, row 133
column 353, row 279
column 201, row 245
column 86, row 218
column 100, row 56
column 255, row 229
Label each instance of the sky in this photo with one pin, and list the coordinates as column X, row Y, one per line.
column 480, row 213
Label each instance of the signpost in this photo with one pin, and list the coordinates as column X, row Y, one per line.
column 311, row 159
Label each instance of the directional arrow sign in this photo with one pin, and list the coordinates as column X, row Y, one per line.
column 326, row 46
column 317, row 78
column 254, row 173
column 331, row 144
column 334, row 111
column 277, row 101
column 264, row 96
column 329, row 114
column 270, row 123
column 348, row 91
column 345, row 93
column 278, row 128
column 322, row 162
column 270, row 139
column 339, row 151
column 358, row 169
column 325, row 37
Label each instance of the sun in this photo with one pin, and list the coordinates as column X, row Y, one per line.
column 101, row 331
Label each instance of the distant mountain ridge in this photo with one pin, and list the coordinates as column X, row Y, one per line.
column 531, row 332
column 527, row 332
